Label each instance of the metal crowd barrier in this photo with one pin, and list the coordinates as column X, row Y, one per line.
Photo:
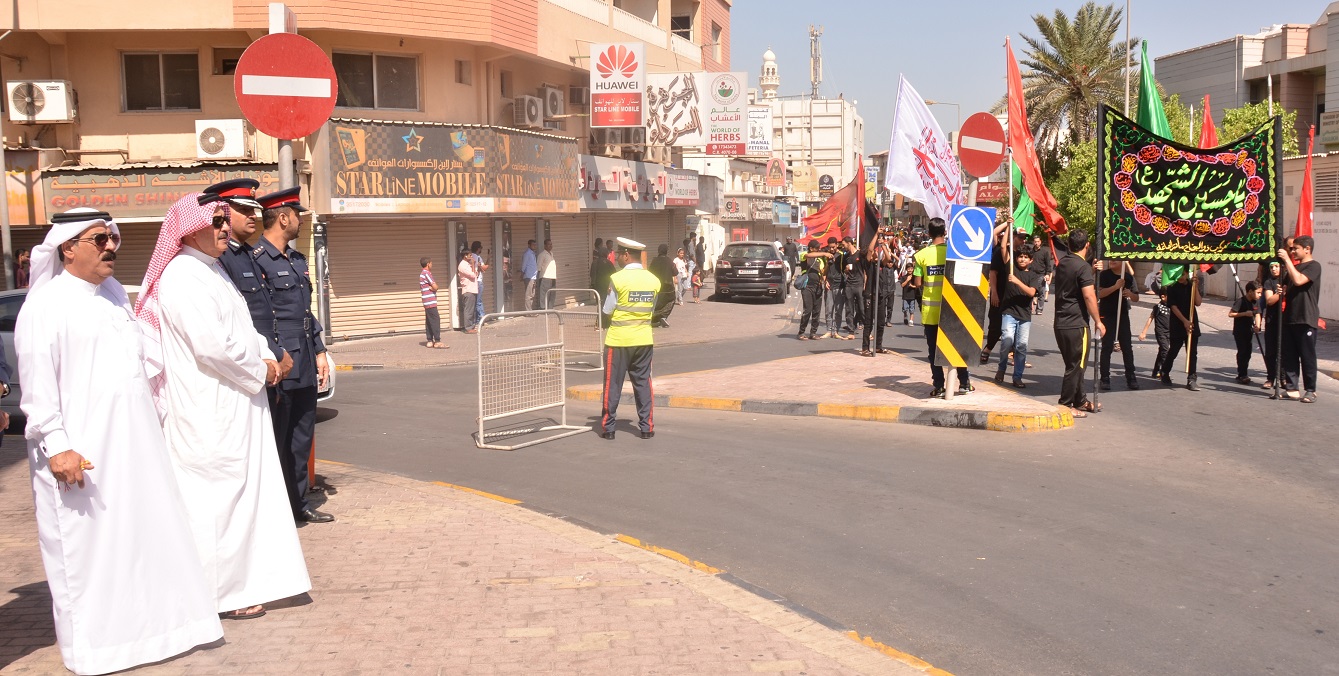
column 521, row 370
column 584, row 333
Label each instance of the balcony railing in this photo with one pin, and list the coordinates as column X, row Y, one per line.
column 640, row 28
column 686, row 48
column 595, row 10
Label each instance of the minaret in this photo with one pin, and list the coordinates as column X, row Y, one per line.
column 769, row 81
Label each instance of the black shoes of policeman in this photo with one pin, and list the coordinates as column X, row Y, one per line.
column 1105, row 384
column 312, row 516
column 610, row 435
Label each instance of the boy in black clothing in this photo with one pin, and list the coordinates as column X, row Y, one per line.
column 1182, row 296
column 1115, row 291
column 1243, row 328
column 1160, row 318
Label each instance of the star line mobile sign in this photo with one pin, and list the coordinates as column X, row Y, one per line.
column 617, row 84
column 285, row 85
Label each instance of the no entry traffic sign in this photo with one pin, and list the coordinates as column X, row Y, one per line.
column 981, row 145
column 285, row 85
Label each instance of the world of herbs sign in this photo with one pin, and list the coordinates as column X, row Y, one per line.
column 1159, row 200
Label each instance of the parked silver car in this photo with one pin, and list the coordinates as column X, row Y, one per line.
column 10, row 304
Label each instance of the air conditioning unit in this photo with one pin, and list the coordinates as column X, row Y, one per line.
column 578, row 96
column 40, row 101
column 613, row 136
column 636, row 136
column 745, row 176
column 554, row 104
column 657, row 154
column 612, row 151
column 528, row 111
column 553, row 125
column 221, row 139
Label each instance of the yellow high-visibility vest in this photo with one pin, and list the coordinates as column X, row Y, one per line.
column 630, row 323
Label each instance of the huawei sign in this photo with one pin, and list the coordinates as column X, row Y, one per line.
column 618, row 58
column 617, row 80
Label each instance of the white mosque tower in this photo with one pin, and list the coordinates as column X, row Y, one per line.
column 769, row 81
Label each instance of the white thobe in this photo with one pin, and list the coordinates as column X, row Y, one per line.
column 127, row 588
column 220, row 437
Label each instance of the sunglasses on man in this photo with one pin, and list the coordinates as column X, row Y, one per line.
column 100, row 240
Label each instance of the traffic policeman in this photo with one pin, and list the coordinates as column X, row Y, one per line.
column 630, row 304
column 293, row 401
column 239, row 195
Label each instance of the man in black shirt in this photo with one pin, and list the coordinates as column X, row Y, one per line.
column 999, row 272
column 833, row 295
column 881, row 272
column 853, row 285
column 1075, row 303
column 1185, row 327
column 663, row 268
column 1016, row 297
column 1043, row 263
column 1301, row 314
column 1113, row 287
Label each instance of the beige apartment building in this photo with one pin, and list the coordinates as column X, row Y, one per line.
column 126, row 106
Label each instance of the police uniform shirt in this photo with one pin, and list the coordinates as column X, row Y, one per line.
column 250, row 280
column 289, row 281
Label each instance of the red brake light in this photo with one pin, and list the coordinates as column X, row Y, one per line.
column 775, row 264
column 722, row 263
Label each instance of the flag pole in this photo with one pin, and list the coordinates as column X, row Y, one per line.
column 1237, row 278
column 1126, row 110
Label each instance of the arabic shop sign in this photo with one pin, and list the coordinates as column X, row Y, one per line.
column 674, row 112
column 1160, row 200
column 143, row 192
column 394, row 167
column 727, row 123
column 613, row 183
column 683, row 188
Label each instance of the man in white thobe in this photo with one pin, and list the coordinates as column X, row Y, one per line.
column 217, row 424
column 127, row 587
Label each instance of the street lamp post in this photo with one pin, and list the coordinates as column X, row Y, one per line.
column 957, row 108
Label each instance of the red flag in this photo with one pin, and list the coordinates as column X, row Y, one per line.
column 1208, row 133
column 1304, row 206
column 1025, row 152
column 840, row 215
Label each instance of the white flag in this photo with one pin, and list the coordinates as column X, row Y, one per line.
column 921, row 165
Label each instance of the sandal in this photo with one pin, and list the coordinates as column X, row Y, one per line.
column 243, row 614
column 1308, row 398
column 1089, row 407
column 884, row 350
column 1078, row 412
column 985, row 356
column 1019, row 385
column 866, row 353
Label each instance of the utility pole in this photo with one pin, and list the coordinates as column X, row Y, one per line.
column 815, row 58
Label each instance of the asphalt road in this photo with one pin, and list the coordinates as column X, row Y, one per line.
column 1176, row 532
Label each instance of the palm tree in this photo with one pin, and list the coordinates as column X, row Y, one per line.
column 1075, row 64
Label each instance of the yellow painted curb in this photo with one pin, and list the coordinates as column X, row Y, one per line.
column 707, row 403
column 343, row 367
column 668, row 553
column 1062, row 418
column 478, row 492
column 584, row 393
column 909, row 660
column 323, row 461
column 858, row 412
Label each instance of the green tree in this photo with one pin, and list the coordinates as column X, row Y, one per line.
column 1178, row 118
column 1075, row 64
column 1075, row 186
column 1238, row 122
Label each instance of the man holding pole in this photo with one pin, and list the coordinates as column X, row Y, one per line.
column 1075, row 304
column 1116, row 290
column 1183, row 296
column 1301, row 314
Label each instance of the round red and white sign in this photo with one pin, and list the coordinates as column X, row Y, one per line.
column 285, row 85
column 981, row 145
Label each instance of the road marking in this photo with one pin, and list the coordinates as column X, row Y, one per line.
column 668, row 553
column 273, row 85
column 904, row 658
column 478, row 492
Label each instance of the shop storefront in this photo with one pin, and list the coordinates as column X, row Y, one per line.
column 399, row 191
column 626, row 199
column 137, row 196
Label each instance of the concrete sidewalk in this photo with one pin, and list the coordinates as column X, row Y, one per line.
column 423, row 578
column 886, row 388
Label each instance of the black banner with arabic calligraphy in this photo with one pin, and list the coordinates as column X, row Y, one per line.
column 1159, row 200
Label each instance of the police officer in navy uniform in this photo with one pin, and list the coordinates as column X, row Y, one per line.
column 293, row 401
column 244, row 215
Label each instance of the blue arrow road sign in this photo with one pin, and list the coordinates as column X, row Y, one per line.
column 969, row 230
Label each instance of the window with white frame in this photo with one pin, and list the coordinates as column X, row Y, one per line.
column 159, row 81
column 376, row 81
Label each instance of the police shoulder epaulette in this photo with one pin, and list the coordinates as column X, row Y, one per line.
column 256, row 252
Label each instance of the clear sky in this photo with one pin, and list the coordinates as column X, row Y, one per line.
column 953, row 50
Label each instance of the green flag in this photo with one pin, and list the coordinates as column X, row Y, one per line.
column 1024, row 209
column 1172, row 272
column 1151, row 116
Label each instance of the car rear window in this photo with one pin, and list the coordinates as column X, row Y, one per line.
column 751, row 252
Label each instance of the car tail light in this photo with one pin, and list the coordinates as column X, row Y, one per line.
column 775, row 264
column 722, row 263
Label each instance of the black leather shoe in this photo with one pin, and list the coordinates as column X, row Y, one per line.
column 647, row 435
column 607, row 435
column 1132, row 384
column 313, row 516
column 1104, row 384
column 1193, row 385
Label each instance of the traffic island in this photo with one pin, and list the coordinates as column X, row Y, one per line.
column 888, row 388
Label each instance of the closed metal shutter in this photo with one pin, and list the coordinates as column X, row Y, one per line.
column 652, row 228
column 374, row 275
column 132, row 259
column 572, row 244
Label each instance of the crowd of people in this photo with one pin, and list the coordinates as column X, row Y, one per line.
column 846, row 288
column 168, row 441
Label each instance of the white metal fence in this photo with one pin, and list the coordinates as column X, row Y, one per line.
column 522, row 371
column 583, row 333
